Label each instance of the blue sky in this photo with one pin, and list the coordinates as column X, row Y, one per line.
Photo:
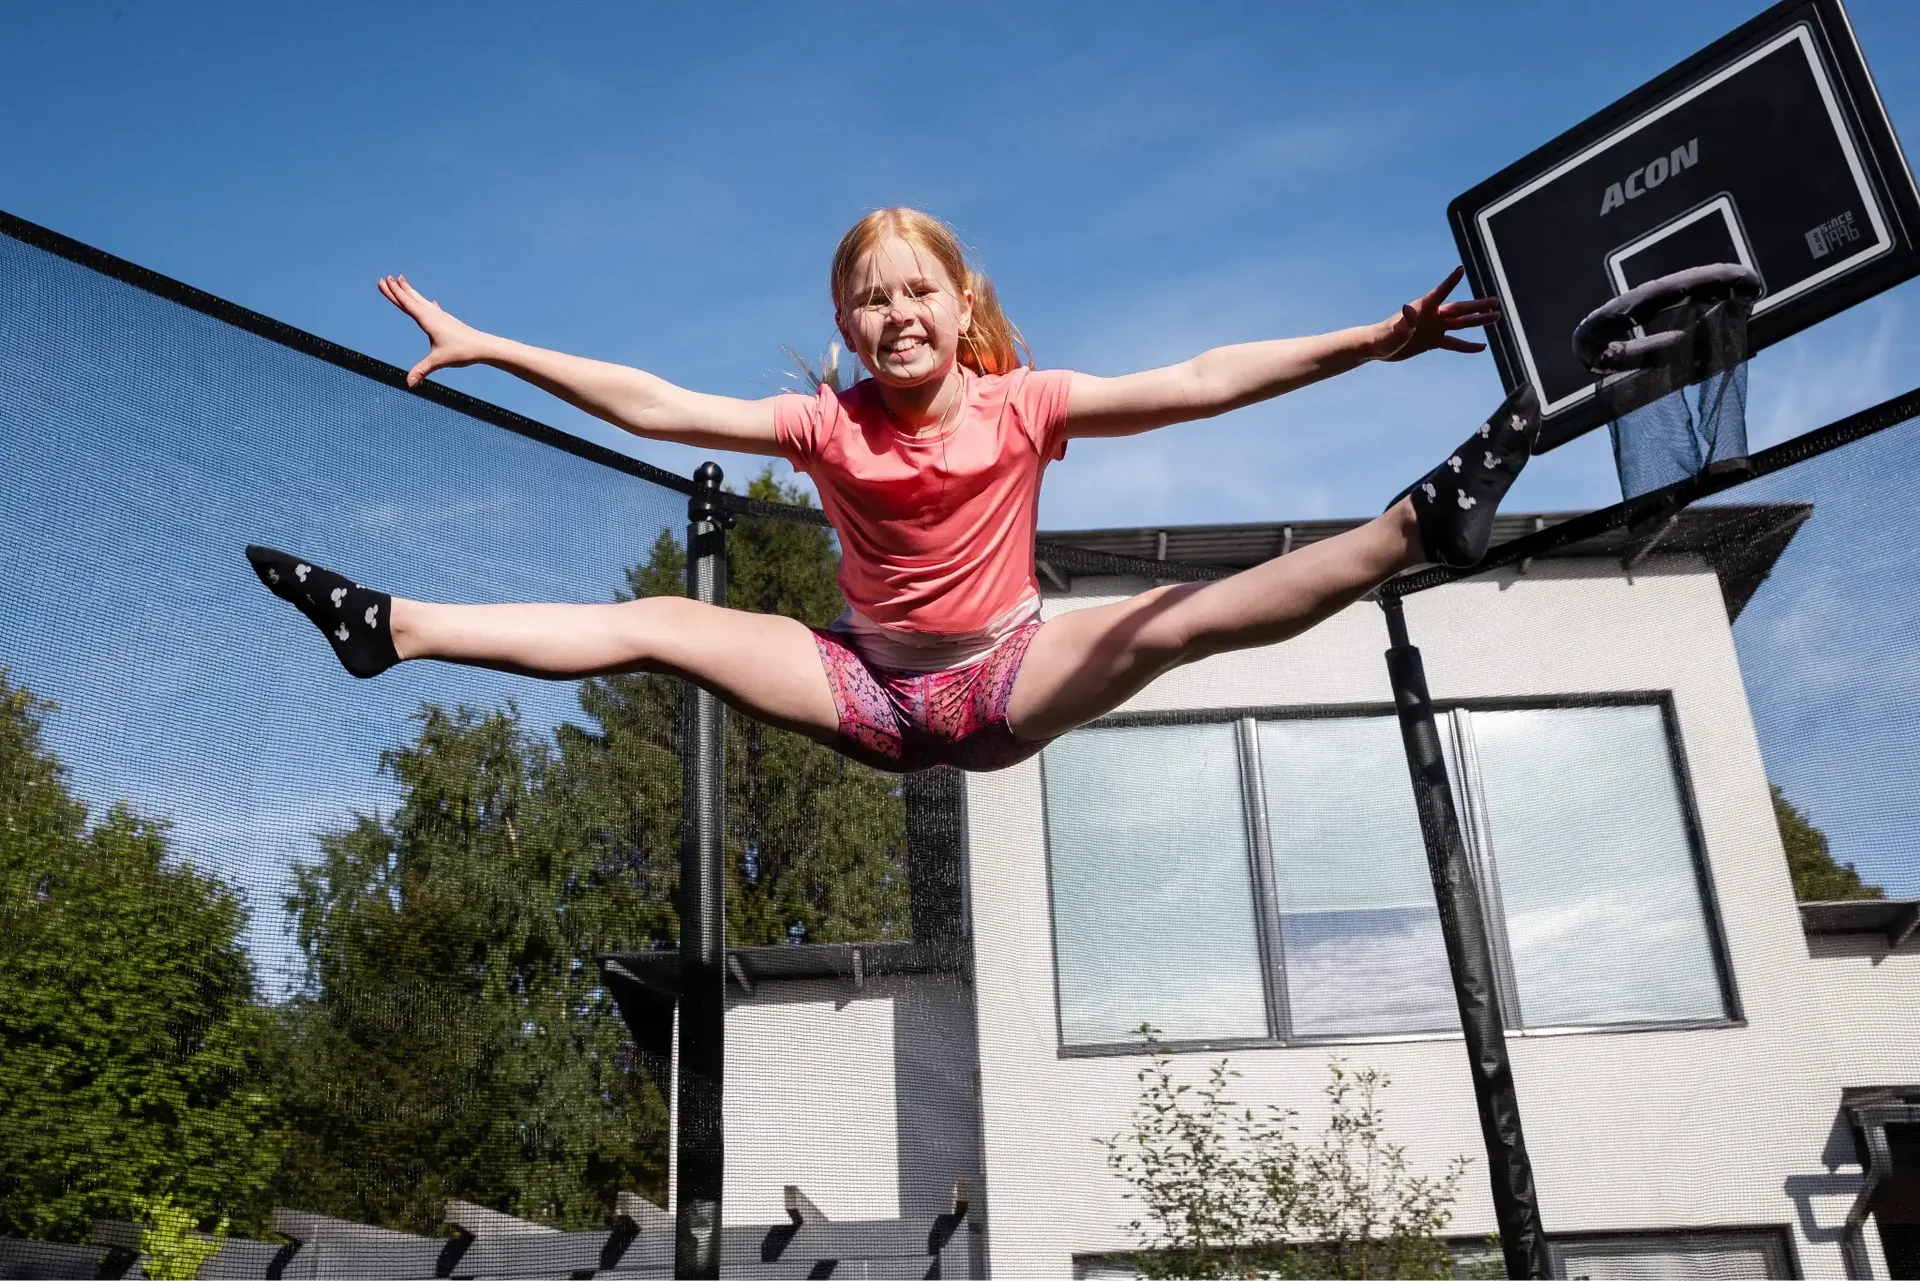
column 663, row 186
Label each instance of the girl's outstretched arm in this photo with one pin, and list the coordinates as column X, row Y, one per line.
column 1229, row 377
column 630, row 399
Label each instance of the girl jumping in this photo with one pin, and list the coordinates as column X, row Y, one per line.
column 929, row 470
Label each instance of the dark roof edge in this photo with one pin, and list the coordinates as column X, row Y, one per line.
column 854, row 962
column 1741, row 542
column 1897, row 920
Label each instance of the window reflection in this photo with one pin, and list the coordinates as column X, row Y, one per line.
column 1152, row 898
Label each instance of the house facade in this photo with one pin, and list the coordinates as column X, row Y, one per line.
column 1234, row 859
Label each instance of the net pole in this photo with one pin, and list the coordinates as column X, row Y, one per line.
column 701, row 1046
column 1516, row 1207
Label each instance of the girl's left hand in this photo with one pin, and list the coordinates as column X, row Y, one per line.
column 1429, row 322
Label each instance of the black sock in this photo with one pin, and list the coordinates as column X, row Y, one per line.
column 353, row 618
column 1455, row 501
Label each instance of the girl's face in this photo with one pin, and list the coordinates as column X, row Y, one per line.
column 903, row 316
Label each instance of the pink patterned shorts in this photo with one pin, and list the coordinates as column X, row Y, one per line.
column 907, row 721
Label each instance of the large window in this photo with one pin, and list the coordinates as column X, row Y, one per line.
column 1359, row 935
column 1265, row 879
column 1153, row 912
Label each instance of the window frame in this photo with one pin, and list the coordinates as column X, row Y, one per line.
column 1779, row 1235
column 1100, row 1049
column 1776, row 1234
column 1468, row 804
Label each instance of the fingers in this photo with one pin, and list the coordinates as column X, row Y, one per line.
column 1469, row 318
column 397, row 291
column 426, row 314
column 1439, row 292
column 1427, row 323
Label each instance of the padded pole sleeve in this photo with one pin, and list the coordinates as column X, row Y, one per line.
column 701, row 1151
column 1463, row 925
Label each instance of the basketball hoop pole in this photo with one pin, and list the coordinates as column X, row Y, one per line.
column 1516, row 1208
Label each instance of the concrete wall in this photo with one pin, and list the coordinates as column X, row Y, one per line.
column 1643, row 1130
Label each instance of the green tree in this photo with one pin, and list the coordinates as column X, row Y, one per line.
column 455, row 1040
column 1232, row 1193
column 132, row 1052
column 1817, row 876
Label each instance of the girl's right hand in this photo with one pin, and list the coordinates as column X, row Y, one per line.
column 453, row 343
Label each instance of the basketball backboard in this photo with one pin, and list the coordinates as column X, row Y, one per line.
column 1769, row 148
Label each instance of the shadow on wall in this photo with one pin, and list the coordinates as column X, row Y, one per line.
column 935, row 1116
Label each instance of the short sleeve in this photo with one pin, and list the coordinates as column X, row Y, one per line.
column 1041, row 403
column 799, row 426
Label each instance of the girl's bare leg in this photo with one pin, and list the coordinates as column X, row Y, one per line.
column 1085, row 663
column 763, row 665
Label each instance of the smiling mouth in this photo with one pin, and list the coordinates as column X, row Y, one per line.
column 901, row 347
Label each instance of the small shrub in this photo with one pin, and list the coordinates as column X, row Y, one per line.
column 173, row 1252
column 1232, row 1193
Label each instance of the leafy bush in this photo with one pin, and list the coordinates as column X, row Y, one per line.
column 1231, row 1193
column 172, row 1250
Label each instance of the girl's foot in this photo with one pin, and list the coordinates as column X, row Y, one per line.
column 354, row 619
column 1455, row 502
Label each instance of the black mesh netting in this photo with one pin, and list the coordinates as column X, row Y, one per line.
column 277, row 938
column 1827, row 643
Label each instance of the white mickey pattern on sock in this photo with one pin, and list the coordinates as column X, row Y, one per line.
column 329, row 601
column 1455, row 530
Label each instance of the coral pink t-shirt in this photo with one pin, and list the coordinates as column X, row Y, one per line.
column 936, row 532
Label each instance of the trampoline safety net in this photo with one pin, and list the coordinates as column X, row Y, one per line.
column 308, row 976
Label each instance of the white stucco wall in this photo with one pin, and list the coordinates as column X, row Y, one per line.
column 1640, row 1130
column 863, row 1099
column 1859, row 987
